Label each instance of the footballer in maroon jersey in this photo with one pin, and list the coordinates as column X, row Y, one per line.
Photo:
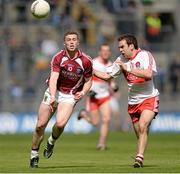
column 70, row 80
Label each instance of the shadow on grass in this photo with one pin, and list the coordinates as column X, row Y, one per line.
column 145, row 166
column 92, row 166
column 63, row 167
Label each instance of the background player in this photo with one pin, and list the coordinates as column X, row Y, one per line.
column 97, row 101
column 138, row 67
column 70, row 80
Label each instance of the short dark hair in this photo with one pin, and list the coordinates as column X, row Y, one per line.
column 103, row 44
column 70, row 33
column 130, row 39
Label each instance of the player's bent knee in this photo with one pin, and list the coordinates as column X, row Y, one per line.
column 143, row 128
column 60, row 125
column 95, row 123
column 40, row 128
column 106, row 120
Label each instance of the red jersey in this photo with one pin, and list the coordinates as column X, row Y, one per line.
column 73, row 72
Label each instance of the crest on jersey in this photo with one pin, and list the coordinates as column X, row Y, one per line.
column 79, row 71
column 137, row 64
column 70, row 67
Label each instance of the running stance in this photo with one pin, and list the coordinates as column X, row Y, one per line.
column 70, row 80
column 138, row 67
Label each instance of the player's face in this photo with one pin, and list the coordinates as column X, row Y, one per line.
column 125, row 49
column 71, row 42
column 105, row 52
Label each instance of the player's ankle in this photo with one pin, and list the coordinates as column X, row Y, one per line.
column 34, row 153
column 51, row 140
column 139, row 157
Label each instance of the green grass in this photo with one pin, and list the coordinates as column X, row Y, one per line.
column 77, row 154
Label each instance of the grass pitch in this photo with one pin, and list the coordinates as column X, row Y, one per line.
column 78, row 154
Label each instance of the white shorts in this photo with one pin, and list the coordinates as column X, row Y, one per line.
column 60, row 97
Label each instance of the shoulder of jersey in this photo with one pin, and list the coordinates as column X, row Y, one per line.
column 58, row 55
column 86, row 56
column 143, row 53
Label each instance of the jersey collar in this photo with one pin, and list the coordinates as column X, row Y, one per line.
column 136, row 52
column 79, row 54
column 102, row 61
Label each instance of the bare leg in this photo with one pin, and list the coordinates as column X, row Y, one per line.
column 63, row 114
column 144, row 122
column 91, row 117
column 105, row 111
column 44, row 115
column 141, row 129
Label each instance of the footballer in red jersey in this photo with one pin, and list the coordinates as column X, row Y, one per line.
column 70, row 80
column 138, row 67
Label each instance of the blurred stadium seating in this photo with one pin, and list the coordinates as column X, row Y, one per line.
column 24, row 57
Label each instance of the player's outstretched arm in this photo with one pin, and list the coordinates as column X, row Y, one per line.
column 102, row 75
column 53, row 83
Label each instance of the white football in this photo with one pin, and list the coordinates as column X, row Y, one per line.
column 40, row 8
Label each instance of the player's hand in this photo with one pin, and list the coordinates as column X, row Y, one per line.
column 52, row 101
column 122, row 65
column 115, row 87
column 79, row 95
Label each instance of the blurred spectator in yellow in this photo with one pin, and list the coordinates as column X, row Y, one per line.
column 153, row 26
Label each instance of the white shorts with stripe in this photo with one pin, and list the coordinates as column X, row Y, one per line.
column 60, row 98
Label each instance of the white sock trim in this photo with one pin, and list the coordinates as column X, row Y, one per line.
column 51, row 140
column 34, row 153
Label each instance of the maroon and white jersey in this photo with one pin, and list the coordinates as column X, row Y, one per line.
column 73, row 72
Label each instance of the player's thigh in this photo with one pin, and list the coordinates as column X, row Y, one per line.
column 64, row 112
column 146, row 117
column 105, row 111
column 94, row 114
column 44, row 114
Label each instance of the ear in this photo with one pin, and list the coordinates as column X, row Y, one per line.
column 78, row 43
column 131, row 47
